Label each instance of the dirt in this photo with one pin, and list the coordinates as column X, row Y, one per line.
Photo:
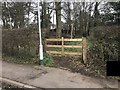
column 74, row 64
column 8, row 86
column 54, row 78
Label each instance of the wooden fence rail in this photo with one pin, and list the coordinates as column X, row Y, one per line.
column 63, row 46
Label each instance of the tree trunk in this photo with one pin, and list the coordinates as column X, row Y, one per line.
column 71, row 31
column 96, row 14
column 58, row 19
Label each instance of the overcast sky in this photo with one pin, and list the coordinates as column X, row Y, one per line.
column 53, row 13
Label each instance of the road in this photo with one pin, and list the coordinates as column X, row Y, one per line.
column 46, row 77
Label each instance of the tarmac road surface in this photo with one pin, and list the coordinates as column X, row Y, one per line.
column 46, row 77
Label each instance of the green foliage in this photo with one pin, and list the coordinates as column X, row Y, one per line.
column 21, row 44
column 102, row 47
column 108, row 17
column 73, row 43
column 55, row 49
column 48, row 60
column 72, row 50
column 17, row 60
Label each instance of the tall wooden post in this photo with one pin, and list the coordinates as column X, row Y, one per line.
column 45, row 45
column 84, row 51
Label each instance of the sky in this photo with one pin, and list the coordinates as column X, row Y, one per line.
column 53, row 13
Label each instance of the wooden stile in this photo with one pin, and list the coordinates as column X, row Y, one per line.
column 53, row 52
column 84, row 52
column 62, row 46
column 53, row 39
column 73, row 53
column 68, row 46
column 58, row 46
column 72, row 39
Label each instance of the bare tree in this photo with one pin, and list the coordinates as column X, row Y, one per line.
column 58, row 19
column 96, row 14
column 67, row 15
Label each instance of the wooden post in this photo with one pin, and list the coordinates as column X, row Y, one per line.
column 45, row 47
column 62, row 46
column 84, row 52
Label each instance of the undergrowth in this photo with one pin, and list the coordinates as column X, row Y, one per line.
column 47, row 60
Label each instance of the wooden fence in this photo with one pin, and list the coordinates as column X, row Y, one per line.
column 63, row 46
